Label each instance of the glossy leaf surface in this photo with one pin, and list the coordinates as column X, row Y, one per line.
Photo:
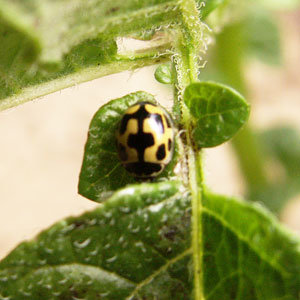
column 102, row 172
column 138, row 245
column 218, row 112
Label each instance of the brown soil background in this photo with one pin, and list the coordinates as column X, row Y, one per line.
column 42, row 141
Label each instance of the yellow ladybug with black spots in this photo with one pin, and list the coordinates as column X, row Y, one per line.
column 145, row 140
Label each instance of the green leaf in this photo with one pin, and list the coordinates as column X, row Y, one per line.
column 138, row 245
column 76, row 22
column 218, row 112
column 262, row 37
column 164, row 74
column 247, row 254
column 102, row 172
column 49, row 45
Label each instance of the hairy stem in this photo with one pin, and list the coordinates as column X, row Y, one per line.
column 187, row 59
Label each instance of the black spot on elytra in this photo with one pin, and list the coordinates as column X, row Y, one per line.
column 161, row 152
column 122, row 152
column 124, row 123
column 141, row 140
column 169, row 144
column 143, row 169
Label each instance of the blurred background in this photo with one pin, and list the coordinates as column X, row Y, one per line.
column 42, row 142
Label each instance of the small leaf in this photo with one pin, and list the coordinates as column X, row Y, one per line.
column 102, row 172
column 218, row 112
column 138, row 245
column 164, row 74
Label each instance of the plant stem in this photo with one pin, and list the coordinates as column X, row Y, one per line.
column 187, row 63
column 230, row 49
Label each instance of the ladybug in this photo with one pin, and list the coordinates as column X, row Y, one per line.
column 145, row 140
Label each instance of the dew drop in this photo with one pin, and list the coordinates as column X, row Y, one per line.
column 107, row 214
column 24, row 293
column 93, row 222
column 135, row 230
column 156, row 207
column 76, row 298
column 104, row 294
column 141, row 246
column 63, row 281
column 121, row 239
column 68, row 228
column 48, row 286
column 48, row 250
column 94, row 252
column 165, row 218
column 107, row 246
column 40, row 282
column 146, row 217
column 112, row 259
column 3, row 279
column 124, row 209
column 147, row 200
column 14, row 277
column 42, row 262
column 83, row 244
column 125, row 244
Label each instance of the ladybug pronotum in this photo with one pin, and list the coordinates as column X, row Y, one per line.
column 145, row 140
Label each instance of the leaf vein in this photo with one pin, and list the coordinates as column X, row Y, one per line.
column 272, row 263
